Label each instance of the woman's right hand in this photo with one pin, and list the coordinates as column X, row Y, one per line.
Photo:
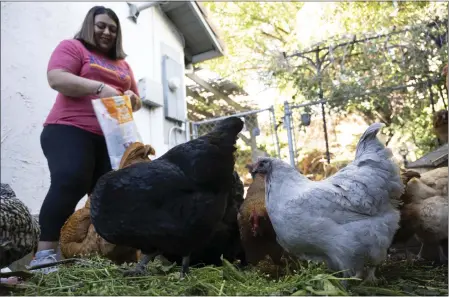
column 108, row 91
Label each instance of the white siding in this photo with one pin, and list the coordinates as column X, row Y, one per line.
column 29, row 33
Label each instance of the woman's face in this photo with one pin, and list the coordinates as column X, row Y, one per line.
column 105, row 32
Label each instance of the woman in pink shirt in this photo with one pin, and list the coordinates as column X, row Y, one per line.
column 90, row 66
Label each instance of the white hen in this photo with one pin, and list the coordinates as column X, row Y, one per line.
column 347, row 220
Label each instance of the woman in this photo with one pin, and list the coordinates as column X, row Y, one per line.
column 90, row 66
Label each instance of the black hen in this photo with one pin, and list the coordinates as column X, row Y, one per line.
column 172, row 205
column 226, row 239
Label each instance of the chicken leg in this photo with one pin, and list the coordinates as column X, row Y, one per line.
column 418, row 257
column 359, row 274
column 185, row 266
column 140, row 268
column 441, row 254
column 370, row 276
column 347, row 275
column 408, row 254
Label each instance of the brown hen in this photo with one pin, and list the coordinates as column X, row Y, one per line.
column 440, row 120
column 425, row 210
column 78, row 235
column 257, row 233
column 405, row 231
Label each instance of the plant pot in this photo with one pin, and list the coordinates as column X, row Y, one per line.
column 256, row 131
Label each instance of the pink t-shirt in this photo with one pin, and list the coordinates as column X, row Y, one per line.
column 72, row 56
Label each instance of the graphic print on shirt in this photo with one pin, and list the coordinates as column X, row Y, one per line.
column 122, row 73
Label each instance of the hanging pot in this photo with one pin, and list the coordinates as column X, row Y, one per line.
column 305, row 119
column 256, row 131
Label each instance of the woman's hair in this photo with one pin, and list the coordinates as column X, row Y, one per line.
column 86, row 34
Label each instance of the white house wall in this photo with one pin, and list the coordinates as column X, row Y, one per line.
column 29, row 33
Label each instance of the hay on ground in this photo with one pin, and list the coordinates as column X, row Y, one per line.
column 97, row 276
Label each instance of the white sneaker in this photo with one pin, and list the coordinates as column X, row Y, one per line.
column 44, row 257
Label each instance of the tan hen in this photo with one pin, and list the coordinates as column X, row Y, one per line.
column 256, row 232
column 425, row 210
column 78, row 235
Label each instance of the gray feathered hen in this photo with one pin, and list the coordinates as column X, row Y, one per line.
column 347, row 220
column 19, row 230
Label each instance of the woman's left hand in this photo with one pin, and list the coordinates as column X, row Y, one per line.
column 136, row 102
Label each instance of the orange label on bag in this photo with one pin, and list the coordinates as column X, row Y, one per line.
column 119, row 108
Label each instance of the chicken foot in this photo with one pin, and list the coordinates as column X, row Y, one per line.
column 347, row 274
column 370, row 276
column 140, row 268
column 367, row 275
column 408, row 254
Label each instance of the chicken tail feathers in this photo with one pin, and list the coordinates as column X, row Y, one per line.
column 369, row 140
column 372, row 152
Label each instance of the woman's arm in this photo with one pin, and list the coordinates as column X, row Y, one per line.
column 70, row 84
column 63, row 72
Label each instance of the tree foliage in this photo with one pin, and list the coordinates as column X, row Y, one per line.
column 389, row 79
column 254, row 32
column 388, row 75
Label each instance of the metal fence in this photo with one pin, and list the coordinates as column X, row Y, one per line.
column 296, row 119
column 314, row 135
column 258, row 137
column 318, row 135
